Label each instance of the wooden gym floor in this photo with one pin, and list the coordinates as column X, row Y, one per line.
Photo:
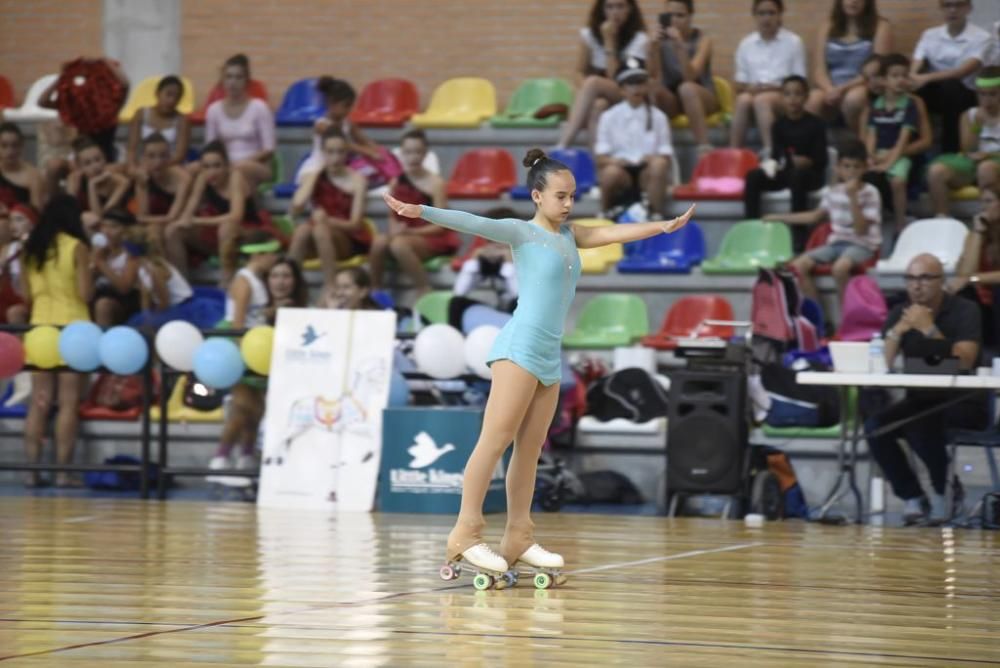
column 106, row 582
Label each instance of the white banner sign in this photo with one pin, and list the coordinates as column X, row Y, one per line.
column 329, row 383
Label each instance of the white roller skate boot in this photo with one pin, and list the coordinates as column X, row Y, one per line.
column 544, row 565
column 490, row 568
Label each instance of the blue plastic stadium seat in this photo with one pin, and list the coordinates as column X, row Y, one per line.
column 675, row 253
column 287, row 189
column 16, row 411
column 302, row 104
column 579, row 162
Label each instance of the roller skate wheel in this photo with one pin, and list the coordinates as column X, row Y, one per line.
column 448, row 573
column 482, row 581
column 543, row 581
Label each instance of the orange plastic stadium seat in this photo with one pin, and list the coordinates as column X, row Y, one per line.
column 477, row 243
column 819, row 238
column 386, row 103
column 7, row 100
column 256, row 89
column 719, row 175
column 684, row 320
column 483, row 173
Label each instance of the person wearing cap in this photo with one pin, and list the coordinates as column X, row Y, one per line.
column 116, row 297
column 979, row 161
column 633, row 145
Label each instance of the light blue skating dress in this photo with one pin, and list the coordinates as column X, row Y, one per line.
column 548, row 267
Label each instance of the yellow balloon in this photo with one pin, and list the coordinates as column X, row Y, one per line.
column 256, row 349
column 41, row 345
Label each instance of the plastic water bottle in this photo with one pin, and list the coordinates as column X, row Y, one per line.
column 876, row 355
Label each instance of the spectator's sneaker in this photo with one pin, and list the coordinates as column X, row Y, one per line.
column 939, row 509
column 915, row 510
column 218, row 462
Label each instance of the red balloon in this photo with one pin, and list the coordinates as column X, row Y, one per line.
column 11, row 355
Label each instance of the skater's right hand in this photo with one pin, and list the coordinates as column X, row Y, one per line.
column 402, row 208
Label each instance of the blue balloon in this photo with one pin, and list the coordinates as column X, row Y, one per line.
column 123, row 350
column 399, row 391
column 218, row 363
column 79, row 344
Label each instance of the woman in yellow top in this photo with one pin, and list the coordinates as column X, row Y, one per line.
column 57, row 281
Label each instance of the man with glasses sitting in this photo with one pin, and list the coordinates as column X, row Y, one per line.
column 930, row 323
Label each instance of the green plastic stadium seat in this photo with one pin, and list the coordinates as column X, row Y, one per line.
column 750, row 245
column 531, row 96
column 608, row 321
column 434, row 306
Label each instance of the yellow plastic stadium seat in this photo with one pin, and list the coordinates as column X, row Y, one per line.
column 599, row 260
column 965, row 194
column 464, row 102
column 178, row 412
column 313, row 264
column 144, row 95
column 724, row 94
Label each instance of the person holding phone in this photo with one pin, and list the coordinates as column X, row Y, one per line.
column 680, row 66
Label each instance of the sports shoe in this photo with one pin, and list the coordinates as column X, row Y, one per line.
column 939, row 509
column 482, row 556
column 915, row 510
column 539, row 557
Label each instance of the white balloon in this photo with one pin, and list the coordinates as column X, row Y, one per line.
column 176, row 343
column 438, row 351
column 477, row 349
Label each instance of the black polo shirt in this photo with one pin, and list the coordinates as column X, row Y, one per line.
column 958, row 319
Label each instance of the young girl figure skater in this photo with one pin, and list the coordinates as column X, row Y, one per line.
column 525, row 361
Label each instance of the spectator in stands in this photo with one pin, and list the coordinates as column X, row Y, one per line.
column 221, row 202
column 853, row 32
column 96, row 186
column 680, row 65
column 10, row 268
column 893, row 121
column 116, row 297
column 615, row 32
column 977, row 275
column 351, row 290
column 944, row 65
column 763, row 59
column 410, row 242
column 633, row 146
column 247, row 306
column 931, row 322
column 20, row 182
column 286, row 288
column 244, row 124
column 161, row 187
column 854, row 210
column 54, row 153
column 165, row 294
column 339, row 96
column 57, row 285
column 799, row 158
column 979, row 161
column 163, row 119
column 336, row 228
column 491, row 263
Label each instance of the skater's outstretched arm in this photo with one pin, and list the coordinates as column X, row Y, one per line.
column 506, row 230
column 592, row 237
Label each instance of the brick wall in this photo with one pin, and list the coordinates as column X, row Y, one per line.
column 426, row 41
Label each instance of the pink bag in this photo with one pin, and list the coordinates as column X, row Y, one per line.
column 864, row 310
column 378, row 171
column 723, row 185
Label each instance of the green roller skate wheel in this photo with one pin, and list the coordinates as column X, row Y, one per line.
column 482, row 581
column 543, row 581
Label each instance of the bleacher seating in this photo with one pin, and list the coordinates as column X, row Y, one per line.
column 819, row 237
column 530, row 97
column 143, row 94
column 30, row 111
column 942, row 237
column 7, row 98
column 750, row 245
column 302, row 104
column 483, row 173
column 675, row 253
column 464, row 102
column 433, row 306
column 579, row 161
column 599, row 260
column 608, row 321
column 386, row 103
column 686, row 319
column 255, row 88
column 724, row 94
column 719, row 175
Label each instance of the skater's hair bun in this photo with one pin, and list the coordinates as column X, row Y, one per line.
column 539, row 167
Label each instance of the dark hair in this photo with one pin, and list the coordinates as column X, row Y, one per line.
column 687, row 3
column 170, row 80
column 82, row 143
column 893, row 60
column 11, row 128
column 216, row 146
column 867, row 22
column 415, row 133
column 779, row 3
column 239, row 60
column 333, row 133
column 633, row 24
column 539, row 167
column 361, row 278
column 501, row 212
column 336, row 90
column 796, row 78
column 119, row 215
column 873, row 58
column 154, row 138
column 852, row 149
column 300, row 291
column 988, row 72
column 61, row 214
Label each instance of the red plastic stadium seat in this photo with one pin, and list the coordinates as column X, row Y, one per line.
column 386, row 103
column 7, row 100
column 477, row 243
column 719, row 175
column 483, row 173
column 684, row 319
column 256, row 88
column 819, row 237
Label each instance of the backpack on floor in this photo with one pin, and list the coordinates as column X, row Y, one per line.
column 632, row 394
column 777, row 322
column 795, row 405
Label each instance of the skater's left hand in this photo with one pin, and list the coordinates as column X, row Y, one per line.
column 677, row 223
column 402, row 208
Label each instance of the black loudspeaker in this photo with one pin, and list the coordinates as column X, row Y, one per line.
column 707, row 432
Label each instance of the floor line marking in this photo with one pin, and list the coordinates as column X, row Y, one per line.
column 669, row 557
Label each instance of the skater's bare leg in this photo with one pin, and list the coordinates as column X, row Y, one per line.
column 512, row 392
column 519, row 534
